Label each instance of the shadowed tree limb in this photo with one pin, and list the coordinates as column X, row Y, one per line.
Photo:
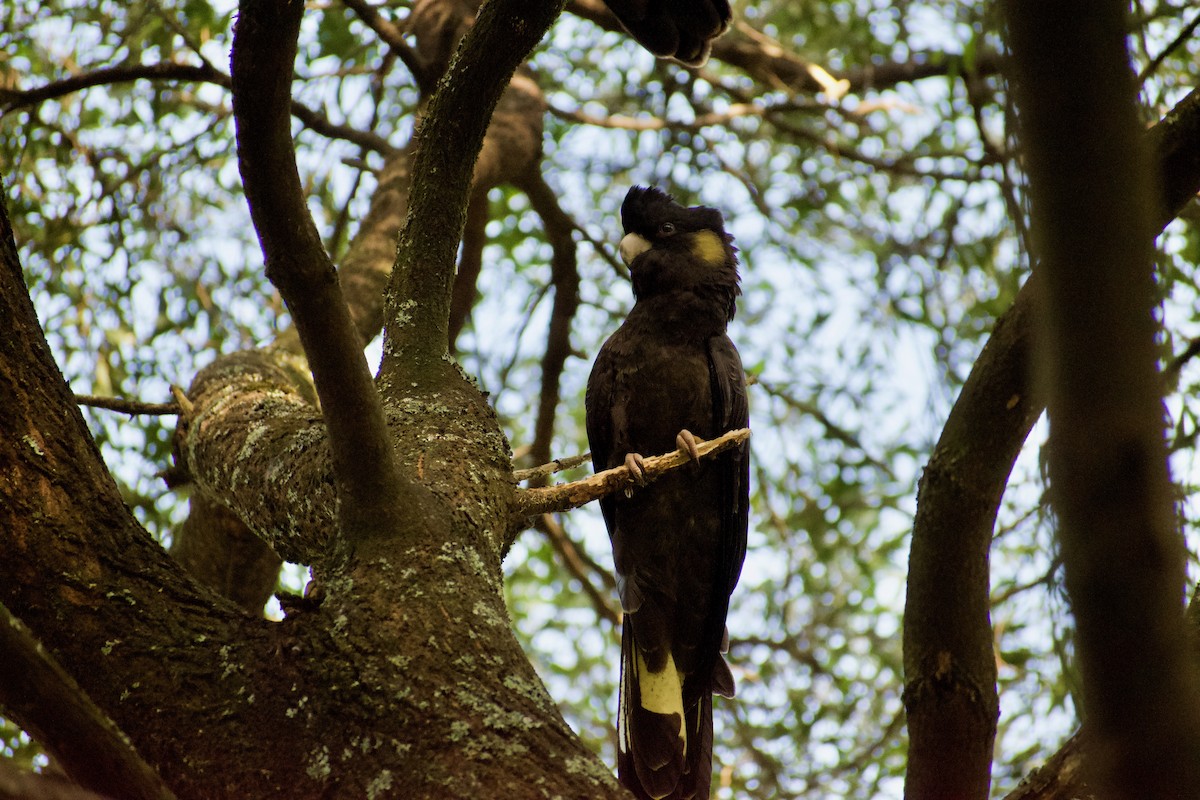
column 16, row 99
column 1123, row 555
column 89, row 745
column 580, row 567
column 949, row 666
column 393, row 37
column 470, row 265
column 368, row 261
column 946, row 614
column 225, row 554
column 19, row 784
column 1062, row 777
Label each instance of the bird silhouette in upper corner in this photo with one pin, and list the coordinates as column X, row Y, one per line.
column 682, row 30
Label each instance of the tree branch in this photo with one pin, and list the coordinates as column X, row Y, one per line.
column 446, row 145
column 565, row 276
column 1123, row 554
column 368, row 261
column 93, row 751
column 15, row 99
column 465, row 293
column 131, row 407
column 1176, row 43
column 19, row 784
column 393, row 37
column 1175, row 140
column 774, row 66
column 949, row 665
column 374, row 499
column 946, row 611
column 221, row 551
column 578, row 565
column 565, row 496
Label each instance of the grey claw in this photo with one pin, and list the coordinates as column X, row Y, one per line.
column 637, row 469
column 686, row 442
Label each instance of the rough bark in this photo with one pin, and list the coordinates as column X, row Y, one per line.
column 1060, row 778
column 92, row 749
column 169, row 662
column 374, row 500
column 228, row 558
column 417, row 304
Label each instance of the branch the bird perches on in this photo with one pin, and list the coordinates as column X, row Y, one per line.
column 565, row 496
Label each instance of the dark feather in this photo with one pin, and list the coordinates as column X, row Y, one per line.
column 678, row 544
column 679, row 29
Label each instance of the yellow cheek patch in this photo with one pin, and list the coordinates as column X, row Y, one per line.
column 709, row 247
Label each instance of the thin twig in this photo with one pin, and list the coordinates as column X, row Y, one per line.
column 1157, row 61
column 131, row 407
column 557, row 465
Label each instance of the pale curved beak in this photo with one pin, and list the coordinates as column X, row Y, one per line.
column 632, row 246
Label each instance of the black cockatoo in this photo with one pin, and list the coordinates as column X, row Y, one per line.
column 667, row 376
column 678, row 29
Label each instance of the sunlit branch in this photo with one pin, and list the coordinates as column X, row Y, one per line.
column 774, row 65
column 557, row 465
column 566, row 496
column 131, row 407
